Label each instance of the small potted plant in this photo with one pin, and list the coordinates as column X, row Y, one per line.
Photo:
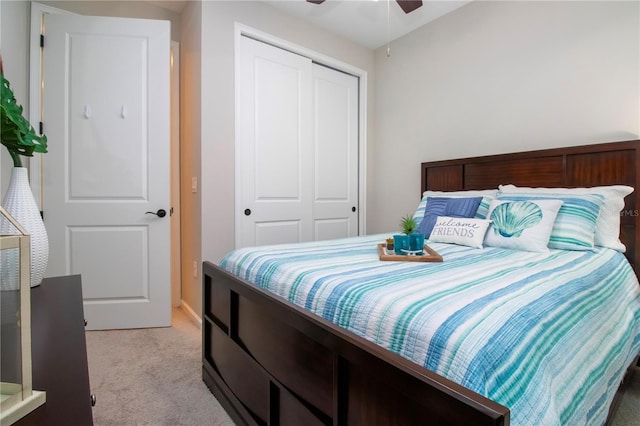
column 408, row 224
column 401, row 241
column 389, row 245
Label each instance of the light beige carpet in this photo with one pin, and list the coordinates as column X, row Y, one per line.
column 628, row 413
column 154, row 377
column 151, row 377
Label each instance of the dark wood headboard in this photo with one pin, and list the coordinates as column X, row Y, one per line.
column 613, row 163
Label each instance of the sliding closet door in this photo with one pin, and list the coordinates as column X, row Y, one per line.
column 274, row 152
column 297, row 148
column 335, row 141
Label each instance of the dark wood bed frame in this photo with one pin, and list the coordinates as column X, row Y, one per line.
column 268, row 361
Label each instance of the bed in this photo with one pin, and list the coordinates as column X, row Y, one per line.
column 360, row 359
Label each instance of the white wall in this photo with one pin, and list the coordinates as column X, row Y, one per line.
column 14, row 45
column 497, row 77
column 190, row 158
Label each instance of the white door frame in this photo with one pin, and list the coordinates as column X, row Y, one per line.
column 35, row 89
column 175, row 211
column 244, row 30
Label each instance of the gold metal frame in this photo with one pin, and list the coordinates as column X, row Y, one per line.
column 19, row 399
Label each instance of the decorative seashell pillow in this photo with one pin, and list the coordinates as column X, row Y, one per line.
column 575, row 225
column 521, row 224
column 607, row 232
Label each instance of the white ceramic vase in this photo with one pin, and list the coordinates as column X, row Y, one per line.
column 19, row 202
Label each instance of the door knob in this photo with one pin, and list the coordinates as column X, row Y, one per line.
column 159, row 213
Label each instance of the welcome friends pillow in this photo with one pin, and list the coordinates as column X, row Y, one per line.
column 462, row 231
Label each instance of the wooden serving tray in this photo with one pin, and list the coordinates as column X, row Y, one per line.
column 430, row 255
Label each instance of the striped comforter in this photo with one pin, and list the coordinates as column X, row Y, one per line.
column 547, row 335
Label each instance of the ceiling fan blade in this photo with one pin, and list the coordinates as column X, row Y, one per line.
column 407, row 5
column 316, row 1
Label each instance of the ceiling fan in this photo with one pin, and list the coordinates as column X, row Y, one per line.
column 406, row 5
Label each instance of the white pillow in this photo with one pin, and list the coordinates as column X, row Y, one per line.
column 463, row 231
column 470, row 193
column 521, row 225
column 608, row 224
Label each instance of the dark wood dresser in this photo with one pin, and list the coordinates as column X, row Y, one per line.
column 59, row 354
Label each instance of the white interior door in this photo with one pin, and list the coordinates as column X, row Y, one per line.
column 274, row 154
column 335, row 143
column 106, row 114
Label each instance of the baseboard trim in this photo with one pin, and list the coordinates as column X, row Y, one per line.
column 197, row 320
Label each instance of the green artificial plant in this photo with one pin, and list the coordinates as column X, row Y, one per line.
column 408, row 224
column 18, row 135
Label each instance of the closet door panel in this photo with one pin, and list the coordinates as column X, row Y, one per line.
column 274, row 153
column 335, row 142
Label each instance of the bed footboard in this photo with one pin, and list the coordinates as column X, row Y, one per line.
column 269, row 362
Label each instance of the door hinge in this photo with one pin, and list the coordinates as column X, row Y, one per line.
column 41, row 40
column 41, row 128
column 42, row 214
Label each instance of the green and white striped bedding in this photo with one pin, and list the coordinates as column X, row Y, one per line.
column 548, row 335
